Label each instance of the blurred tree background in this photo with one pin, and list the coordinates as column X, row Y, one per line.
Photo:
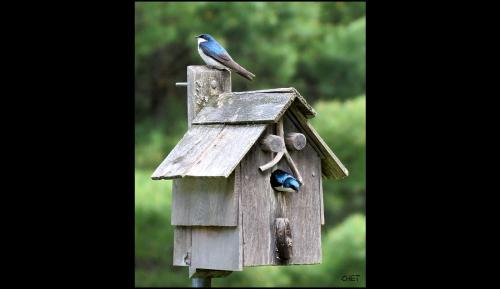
column 318, row 48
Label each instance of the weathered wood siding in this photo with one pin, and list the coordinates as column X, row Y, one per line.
column 205, row 202
column 261, row 206
column 182, row 246
column 217, row 248
column 258, row 206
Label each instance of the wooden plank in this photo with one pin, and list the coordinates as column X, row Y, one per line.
column 304, row 107
column 196, row 140
column 322, row 211
column 258, row 207
column 245, row 108
column 239, row 189
column 302, row 208
column 219, row 248
column 201, row 88
column 226, row 150
column 331, row 165
column 182, row 246
column 216, row 248
column 261, row 205
column 209, row 151
column 205, row 202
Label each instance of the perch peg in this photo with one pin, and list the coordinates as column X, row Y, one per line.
column 295, row 141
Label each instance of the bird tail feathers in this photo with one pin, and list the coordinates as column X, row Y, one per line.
column 242, row 71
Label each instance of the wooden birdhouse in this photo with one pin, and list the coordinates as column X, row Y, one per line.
column 225, row 212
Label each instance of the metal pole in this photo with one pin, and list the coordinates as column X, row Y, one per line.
column 201, row 282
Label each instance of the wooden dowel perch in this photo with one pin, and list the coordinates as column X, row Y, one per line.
column 271, row 143
column 295, row 141
column 270, row 164
column 293, row 167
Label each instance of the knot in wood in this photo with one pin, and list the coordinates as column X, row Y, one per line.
column 213, row 83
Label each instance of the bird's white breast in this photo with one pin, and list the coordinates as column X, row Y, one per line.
column 208, row 60
column 283, row 189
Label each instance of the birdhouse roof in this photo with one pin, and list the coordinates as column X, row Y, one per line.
column 225, row 129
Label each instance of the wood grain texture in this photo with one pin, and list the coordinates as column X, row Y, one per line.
column 245, row 108
column 182, row 246
column 303, row 208
column 322, row 211
column 332, row 167
column 261, row 206
column 205, row 202
column 258, row 207
column 295, row 141
column 226, row 150
column 301, row 103
column 178, row 162
column 284, row 241
column 209, row 151
column 272, row 143
column 220, row 248
column 199, row 89
column 216, row 248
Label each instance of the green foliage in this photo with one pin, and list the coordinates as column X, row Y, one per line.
column 319, row 48
column 343, row 127
column 154, row 142
column 153, row 233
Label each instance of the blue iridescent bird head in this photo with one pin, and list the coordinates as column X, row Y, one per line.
column 207, row 37
column 284, row 182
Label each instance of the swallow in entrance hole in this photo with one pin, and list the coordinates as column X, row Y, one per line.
column 284, row 182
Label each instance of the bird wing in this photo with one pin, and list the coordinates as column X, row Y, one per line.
column 215, row 51
column 219, row 54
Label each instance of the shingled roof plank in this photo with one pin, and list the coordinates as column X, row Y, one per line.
column 244, row 108
column 331, row 166
column 304, row 107
column 196, row 140
column 226, row 151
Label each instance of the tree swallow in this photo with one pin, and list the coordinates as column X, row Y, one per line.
column 284, row 182
column 216, row 56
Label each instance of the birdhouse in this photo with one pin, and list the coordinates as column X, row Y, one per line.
column 226, row 213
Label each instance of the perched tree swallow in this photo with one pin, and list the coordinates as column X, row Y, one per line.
column 216, row 56
column 284, row 182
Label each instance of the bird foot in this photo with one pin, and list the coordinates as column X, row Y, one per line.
column 218, row 68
